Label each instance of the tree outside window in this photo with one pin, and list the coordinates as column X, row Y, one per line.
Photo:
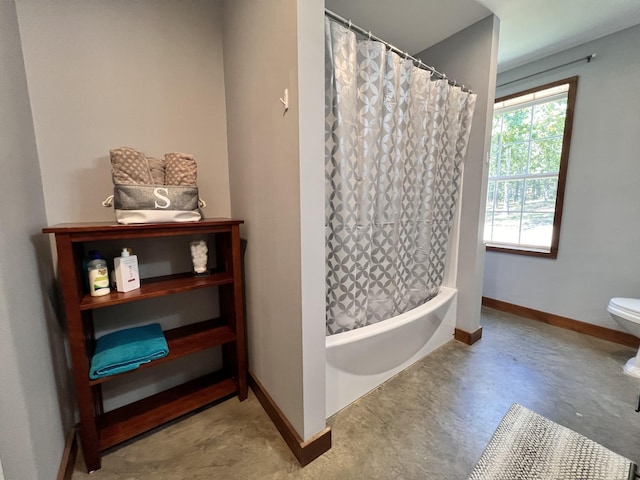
column 530, row 139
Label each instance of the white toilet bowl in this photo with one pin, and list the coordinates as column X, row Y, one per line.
column 626, row 312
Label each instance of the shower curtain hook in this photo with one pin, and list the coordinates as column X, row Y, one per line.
column 349, row 26
column 369, row 37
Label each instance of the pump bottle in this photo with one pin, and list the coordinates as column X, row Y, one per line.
column 127, row 274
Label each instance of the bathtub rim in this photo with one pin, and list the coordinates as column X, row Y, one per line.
column 443, row 297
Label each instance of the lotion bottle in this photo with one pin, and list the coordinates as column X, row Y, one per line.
column 127, row 274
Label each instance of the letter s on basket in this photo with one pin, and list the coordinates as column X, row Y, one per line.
column 157, row 193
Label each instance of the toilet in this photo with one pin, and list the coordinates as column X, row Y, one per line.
column 626, row 312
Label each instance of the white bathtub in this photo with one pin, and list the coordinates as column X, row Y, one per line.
column 362, row 359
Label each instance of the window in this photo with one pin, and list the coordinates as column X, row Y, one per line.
column 530, row 141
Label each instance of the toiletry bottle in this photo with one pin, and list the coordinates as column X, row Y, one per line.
column 98, row 274
column 127, row 275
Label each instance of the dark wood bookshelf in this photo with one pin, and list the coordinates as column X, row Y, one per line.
column 101, row 430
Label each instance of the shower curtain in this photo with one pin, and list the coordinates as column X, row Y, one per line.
column 395, row 142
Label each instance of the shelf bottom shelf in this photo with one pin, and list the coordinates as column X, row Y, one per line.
column 130, row 420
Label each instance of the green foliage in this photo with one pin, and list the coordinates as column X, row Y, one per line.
column 528, row 140
column 545, row 155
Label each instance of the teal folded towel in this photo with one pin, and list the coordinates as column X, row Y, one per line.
column 127, row 349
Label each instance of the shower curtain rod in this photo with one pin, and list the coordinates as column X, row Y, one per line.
column 417, row 62
column 588, row 59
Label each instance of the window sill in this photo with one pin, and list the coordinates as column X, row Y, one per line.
column 521, row 250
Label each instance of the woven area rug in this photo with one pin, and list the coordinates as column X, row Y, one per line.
column 527, row 446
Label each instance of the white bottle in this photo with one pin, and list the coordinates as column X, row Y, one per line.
column 127, row 275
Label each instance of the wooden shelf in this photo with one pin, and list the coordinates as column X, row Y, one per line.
column 138, row 417
column 98, row 430
column 157, row 287
column 186, row 340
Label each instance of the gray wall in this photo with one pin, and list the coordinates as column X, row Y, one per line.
column 311, row 159
column 35, row 410
column 103, row 74
column 599, row 251
column 270, row 153
column 470, row 57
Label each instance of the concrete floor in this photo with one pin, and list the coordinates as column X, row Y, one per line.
column 432, row 421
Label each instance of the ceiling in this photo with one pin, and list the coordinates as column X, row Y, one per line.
column 529, row 29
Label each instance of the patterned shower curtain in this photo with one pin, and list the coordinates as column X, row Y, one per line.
column 395, row 143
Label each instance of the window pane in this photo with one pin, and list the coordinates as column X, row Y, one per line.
column 509, row 195
column 491, row 191
column 488, row 216
column 513, row 159
column 488, row 227
column 496, row 126
column 516, row 125
column 540, row 195
column 548, row 119
column 537, row 229
column 506, row 227
column 493, row 160
column 545, row 156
